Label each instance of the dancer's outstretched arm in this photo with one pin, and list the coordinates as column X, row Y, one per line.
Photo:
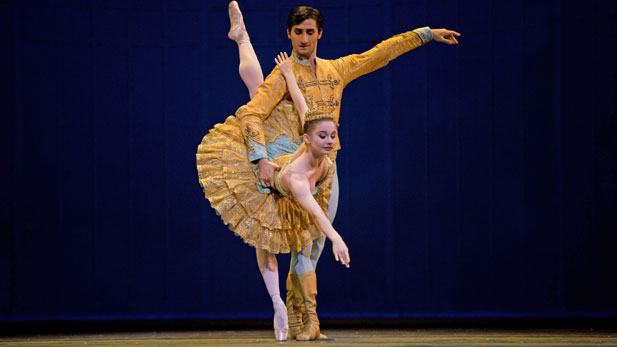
column 284, row 64
column 356, row 65
column 299, row 186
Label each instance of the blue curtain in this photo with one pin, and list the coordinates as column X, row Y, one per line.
column 476, row 180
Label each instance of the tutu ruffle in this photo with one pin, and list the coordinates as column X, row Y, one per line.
column 267, row 221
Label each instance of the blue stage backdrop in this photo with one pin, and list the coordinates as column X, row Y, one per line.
column 476, row 181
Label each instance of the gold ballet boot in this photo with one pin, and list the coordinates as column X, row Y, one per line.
column 237, row 32
column 294, row 305
column 308, row 288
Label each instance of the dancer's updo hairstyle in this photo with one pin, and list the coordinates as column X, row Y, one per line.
column 312, row 118
column 309, row 125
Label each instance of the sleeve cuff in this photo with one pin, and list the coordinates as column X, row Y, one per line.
column 256, row 150
column 425, row 34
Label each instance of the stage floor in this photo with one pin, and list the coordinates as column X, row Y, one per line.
column 337, row 337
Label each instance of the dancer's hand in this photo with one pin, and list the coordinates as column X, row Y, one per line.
column 445, row 36
column 284, row 64
column 341, row 253
column 266, row 172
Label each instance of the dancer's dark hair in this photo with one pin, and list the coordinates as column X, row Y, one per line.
column 302, row 13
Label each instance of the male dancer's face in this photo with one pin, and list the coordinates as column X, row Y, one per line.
column 304, row 38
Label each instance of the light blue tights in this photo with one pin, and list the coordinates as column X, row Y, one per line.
column 306, row 259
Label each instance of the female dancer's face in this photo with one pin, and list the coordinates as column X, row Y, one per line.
column 322, row 137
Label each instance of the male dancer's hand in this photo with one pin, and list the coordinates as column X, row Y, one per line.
column 445, row 36
column 266, row 172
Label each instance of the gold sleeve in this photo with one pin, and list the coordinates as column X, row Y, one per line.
column 252, row 115
column 356, row 65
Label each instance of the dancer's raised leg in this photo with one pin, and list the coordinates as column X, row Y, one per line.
column 250, row 70
column 268, row 267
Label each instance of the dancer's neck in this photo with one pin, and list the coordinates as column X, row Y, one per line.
column 309, row 61
column 314, row 159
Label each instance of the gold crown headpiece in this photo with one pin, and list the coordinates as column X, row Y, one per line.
column 320, row 112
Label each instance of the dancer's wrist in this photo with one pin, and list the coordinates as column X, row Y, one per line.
column 335, row 237
column 287, row 74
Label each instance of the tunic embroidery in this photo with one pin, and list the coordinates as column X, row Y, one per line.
column 332, row 82
column 324, row 86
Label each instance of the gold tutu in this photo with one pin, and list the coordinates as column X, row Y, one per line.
column 267, row 221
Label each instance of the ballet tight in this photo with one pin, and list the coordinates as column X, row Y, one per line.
column 249, row 69
column 306, row 260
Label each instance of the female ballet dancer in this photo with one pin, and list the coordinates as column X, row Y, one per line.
column 303, row 262
column 289, row 218
column 270, row 124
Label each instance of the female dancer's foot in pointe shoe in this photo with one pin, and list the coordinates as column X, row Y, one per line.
column 280, row 321
column 237, row 32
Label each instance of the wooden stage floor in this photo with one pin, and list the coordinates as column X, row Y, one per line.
column 337, row 337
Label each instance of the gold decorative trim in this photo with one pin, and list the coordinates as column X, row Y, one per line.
column 302, row 84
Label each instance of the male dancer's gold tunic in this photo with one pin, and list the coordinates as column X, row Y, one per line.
column 321, row 90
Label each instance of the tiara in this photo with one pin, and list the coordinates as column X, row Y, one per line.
column 319, row 112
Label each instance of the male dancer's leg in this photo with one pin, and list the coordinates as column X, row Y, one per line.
column 250, row 70
column 333, row 202
column 307, row 259
column 304, row 263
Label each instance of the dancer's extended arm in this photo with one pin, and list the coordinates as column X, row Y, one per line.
column 251, row 118
column 356, row 65
column 257, row 110
column 284, row 64
column 299, row 186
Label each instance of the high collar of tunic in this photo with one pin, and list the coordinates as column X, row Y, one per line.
column 301, row 60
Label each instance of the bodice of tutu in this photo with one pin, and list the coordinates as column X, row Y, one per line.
column 278, row 176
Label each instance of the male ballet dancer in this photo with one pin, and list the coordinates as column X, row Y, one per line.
column 321, row 81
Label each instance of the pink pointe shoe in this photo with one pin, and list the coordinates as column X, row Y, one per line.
column 237, row 32
column 280, row 312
